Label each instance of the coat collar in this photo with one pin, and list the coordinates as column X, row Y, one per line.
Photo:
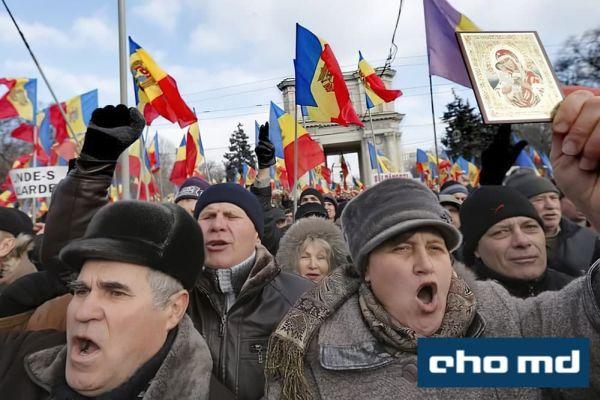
column 184, row 374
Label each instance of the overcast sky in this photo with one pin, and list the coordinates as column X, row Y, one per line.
column 227, row 56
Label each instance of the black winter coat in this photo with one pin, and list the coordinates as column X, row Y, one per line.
column 238, row 339
column 550, row 280
column 575, row 250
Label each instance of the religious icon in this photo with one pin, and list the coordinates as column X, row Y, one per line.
column 511, row 76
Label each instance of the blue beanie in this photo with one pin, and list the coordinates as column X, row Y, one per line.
column 234, row 194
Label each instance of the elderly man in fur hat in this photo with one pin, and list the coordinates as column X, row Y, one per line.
column 127, row 332
column 355, row 334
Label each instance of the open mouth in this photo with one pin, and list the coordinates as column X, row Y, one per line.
column 427, row 297
column 84, row 346
column 427, row 292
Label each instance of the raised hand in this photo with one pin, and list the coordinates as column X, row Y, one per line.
column 265, row 151
column 111, row 131
column 575, row 151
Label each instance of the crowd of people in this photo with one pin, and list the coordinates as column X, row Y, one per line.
column 229, row 294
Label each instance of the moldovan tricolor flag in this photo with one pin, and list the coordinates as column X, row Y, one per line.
column 154, row 155
column 375, row 89
column 320, row 83
column 310, row 153
column 194, row 153
column 179, row 171
column 155, row 91
column 441, row 23
column 17, row 107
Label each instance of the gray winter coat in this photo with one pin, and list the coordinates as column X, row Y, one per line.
column 184, row 374
column 345, row 361
column 287, row 255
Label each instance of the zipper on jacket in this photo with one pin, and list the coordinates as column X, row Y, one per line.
column 257, row 348
column 223, row 331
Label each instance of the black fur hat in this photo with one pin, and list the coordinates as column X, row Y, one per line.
column 162, row 237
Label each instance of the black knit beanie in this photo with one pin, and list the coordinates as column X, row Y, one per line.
column 487, row 206
column 312, row 191
column 234, row 194
column 529, row 184
column 310, row 209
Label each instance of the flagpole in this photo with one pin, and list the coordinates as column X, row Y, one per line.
column 157, row 156
column 205, row 163
column 295, row 192
column 123, row 61
column 437, row 160
column 142, row 165
column 374, row 143
column 35, row 139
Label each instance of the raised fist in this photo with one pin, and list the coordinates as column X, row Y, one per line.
column 265, row 151
column 111, row 131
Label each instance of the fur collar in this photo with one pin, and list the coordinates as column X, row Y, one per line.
column 184, row 374
column 287, row 255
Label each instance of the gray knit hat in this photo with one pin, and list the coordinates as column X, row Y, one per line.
column 388, row 209
column 529, row 184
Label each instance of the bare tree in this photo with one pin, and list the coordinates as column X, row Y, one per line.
column 579, row 63
column 215, row 170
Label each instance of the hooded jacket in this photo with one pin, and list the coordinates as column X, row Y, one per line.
column 287, row 255
column 32, row 362
column 344, row 360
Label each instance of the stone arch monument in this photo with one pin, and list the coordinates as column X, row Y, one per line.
column 337, row 139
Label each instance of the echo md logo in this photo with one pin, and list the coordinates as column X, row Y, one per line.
column 503, row 362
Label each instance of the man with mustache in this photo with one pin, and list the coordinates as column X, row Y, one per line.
column 571, row 248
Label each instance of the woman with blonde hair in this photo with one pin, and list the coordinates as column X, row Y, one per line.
column 312, row 247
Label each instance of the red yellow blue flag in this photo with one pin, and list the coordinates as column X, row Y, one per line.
column 310, row 153
column 375, row 90
column 320, row 84
column 18, row 107
column 156, row 92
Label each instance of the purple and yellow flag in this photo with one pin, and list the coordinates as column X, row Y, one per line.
column 442, row 21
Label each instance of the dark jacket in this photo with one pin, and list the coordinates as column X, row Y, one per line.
column 550, row 280
column 238, row 339
column 575, row 250
column 271, row 233
column 31, row 363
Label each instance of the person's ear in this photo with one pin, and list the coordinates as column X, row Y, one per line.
column 176, row 307
column 6, row 245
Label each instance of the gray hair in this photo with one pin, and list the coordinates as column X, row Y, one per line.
column 163, row 287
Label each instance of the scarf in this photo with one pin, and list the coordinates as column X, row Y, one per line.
column 290, row 341
column 398, row 339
